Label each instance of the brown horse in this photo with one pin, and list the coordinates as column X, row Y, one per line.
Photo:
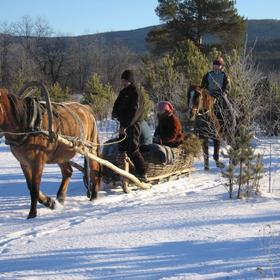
column 207, row 125
column 33, row 149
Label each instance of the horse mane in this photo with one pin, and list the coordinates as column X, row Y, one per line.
column 19, row 109
column 27, row 111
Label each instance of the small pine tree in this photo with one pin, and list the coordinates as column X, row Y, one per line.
column 190, row 61
column 57, row 94
column 229, row 174
column 258, row 173
column 164, row 82
column 99, row 96
column 149, row 104
column 246, row 155
column 244, row 166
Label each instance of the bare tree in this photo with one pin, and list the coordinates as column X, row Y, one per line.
column 83, row 60
column 5, row 43
column 46, row 53
column 245, row 77
column 116, row 59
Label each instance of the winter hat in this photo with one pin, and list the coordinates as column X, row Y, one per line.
column 128, row 75
column 164, row 106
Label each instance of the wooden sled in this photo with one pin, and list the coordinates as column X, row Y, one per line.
column 156, row 172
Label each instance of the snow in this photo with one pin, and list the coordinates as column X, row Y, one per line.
column 182, row 229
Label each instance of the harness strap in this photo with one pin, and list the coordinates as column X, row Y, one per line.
column 33, row 120
column 77, row 119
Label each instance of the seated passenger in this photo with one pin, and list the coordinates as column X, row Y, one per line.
column 169, row 130
column 146, row 138
column 146, row 134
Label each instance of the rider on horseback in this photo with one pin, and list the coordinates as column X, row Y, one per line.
column 216, row 81
column 218, row 85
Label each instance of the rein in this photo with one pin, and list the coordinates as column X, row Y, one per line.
column 201, row 114
column 70, row 138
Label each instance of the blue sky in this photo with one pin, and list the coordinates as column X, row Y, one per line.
column 77, row 17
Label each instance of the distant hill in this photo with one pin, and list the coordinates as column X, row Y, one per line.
column 133, row 39
column 266, row 34
column 263, row 30
column 257, row 30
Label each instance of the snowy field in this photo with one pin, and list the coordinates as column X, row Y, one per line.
column 184, row 229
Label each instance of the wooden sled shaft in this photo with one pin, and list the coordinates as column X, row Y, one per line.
column 84, row 151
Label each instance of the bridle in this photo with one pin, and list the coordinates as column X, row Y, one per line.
column 199, row 110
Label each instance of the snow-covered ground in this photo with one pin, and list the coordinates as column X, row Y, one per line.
column 183, row 229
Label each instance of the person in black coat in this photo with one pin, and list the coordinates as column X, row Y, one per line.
column 128, row 109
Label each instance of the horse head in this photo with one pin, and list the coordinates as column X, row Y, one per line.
column 194, row 101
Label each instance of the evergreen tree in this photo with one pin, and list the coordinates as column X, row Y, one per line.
column 100, row 96
column 58, row 94
column 193, row 19
column 164, row 82
column 230, row 169
column 149, row 104
column 258, row 173
column 190, row 61
column 244, row 167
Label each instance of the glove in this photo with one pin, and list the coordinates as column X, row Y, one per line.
column 216, row 93
column 156, row 140
column 122, row 130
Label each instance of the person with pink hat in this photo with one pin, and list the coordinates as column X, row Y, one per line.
column 169, row 130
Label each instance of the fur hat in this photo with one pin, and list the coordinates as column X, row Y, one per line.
column 128, row 75
column 164, row 106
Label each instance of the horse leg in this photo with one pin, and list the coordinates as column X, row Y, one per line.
column 205, row 153
column 217, row 144
column 66, row 171
column 216, row 149
column 95, row 176
column 33, row 175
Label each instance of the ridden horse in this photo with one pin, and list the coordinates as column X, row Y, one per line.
column 207, row 125
column 33, row 149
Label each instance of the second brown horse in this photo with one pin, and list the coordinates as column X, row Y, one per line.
column 201, row 109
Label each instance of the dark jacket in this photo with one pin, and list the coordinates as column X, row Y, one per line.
column 169, row 131
column 216, row 82
column 129, row 107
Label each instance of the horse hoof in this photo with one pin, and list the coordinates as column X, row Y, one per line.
column 61, row 199
column 52, row 204
column 93, row 196
column 220, row 164
column 32, row 215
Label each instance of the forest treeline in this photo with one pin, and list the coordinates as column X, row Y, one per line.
column 58, row 51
